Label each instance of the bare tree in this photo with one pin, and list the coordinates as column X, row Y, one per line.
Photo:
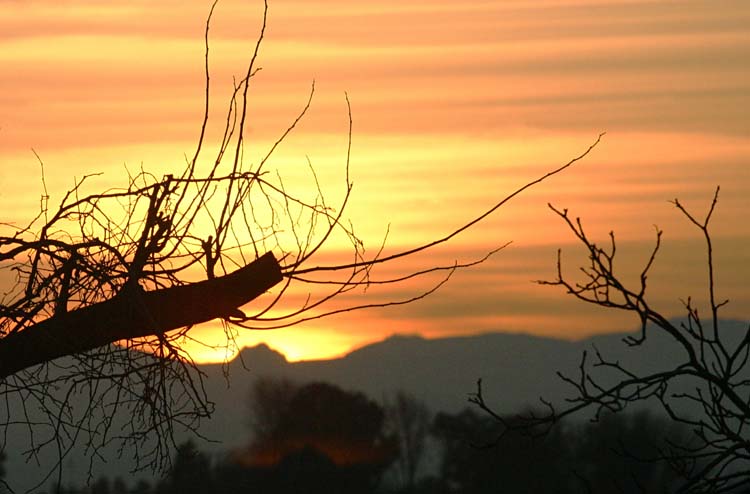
column 107, row 286
column 708, row 390
column 409, row 420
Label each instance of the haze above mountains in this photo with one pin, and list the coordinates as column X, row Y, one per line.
column 516, row 370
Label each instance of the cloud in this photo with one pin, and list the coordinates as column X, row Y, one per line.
column 455, row 104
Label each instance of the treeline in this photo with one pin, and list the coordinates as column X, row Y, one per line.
column 318, row 438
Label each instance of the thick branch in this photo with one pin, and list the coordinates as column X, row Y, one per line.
column 136, row 313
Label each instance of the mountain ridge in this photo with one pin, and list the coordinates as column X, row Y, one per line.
column 517, row 369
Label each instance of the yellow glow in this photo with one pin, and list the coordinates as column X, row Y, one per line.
column 455, row 104
column 308, row 343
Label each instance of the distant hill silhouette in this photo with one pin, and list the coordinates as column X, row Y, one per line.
column 516, row 370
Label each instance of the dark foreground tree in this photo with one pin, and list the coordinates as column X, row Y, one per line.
column 321, row 438
column 572, row 458
column 520, row 464
column 608, row 454
column 708, row 390
column 190, row 472
column 106, row 286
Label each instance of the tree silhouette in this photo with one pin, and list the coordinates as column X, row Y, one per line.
column 707, row 391
column 409, row 419
column 191, row 472
column 321, row 439
column 101, row 486
column 607, row 455
column 3, row 484
column 269, row 397
column 610, row 454
column 142, row 487
column 346, row 426
column 521, row 463
column 114, row 281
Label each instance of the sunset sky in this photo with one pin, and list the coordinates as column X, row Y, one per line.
column 454, row 103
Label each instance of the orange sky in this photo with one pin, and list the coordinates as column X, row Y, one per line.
column 455, row 104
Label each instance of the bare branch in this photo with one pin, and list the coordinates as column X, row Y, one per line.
column 707, row 391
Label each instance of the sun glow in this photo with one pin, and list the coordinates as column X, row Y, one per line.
column 455, row 104
column 209, row 344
